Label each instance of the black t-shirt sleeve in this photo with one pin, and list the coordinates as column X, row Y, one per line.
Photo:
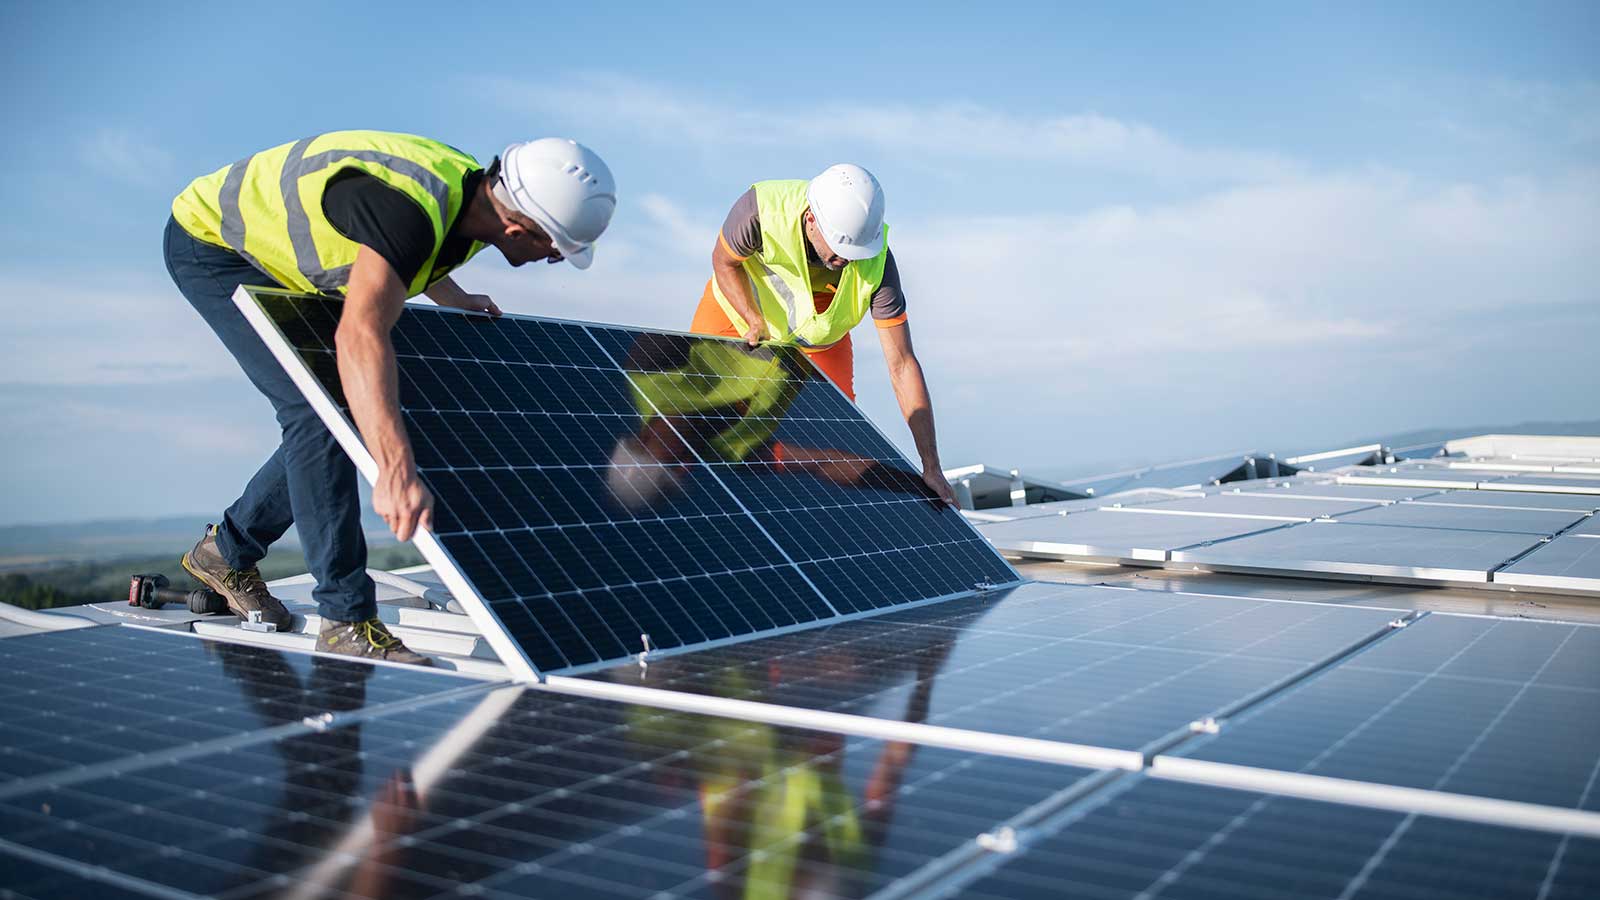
column 369, row 212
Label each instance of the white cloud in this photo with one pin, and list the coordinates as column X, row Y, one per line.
column 103, row 328
column 949, row 131
column 125, row 156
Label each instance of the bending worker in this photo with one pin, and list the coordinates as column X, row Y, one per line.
column 801, row 262
column 378, row 218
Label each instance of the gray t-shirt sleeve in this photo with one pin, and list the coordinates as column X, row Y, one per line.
column 889, row 300
column 741, row 230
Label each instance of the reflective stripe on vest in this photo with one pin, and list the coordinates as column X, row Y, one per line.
column 780, row 277
column 264, row 197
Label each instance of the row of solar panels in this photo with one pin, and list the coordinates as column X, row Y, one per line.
column 1461, row 526
column 1036, row 741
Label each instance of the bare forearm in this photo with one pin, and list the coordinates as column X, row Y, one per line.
column 911, row 389
column 446, row 292
column 370, row 379
column 730, row 276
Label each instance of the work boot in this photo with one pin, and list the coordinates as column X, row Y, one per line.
column 242, row 588
column 369, row 640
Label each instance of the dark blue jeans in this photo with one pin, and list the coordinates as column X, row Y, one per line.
column 308, row 481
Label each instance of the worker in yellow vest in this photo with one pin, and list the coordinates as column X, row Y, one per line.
column 376, row 217
column 803, row 262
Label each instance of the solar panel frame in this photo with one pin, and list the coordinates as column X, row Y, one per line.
column 449, row 568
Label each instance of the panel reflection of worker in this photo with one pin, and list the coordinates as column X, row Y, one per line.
column 777, row 797
column 720, row 401
column 802, row 263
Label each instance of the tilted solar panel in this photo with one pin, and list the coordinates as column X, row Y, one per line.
column 596, row 484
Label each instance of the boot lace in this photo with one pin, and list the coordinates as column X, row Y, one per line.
column 245, row 581
column 378, row 635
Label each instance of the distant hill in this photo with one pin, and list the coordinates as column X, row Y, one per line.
column 31, row 547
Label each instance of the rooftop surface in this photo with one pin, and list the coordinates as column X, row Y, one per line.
column 1204, row 692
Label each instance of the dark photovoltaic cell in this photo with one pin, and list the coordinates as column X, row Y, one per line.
column 597, row 484
column 1490, row 707
column 1170, row 840
column 93, row 695
column 522, row 793
column 1083, row 664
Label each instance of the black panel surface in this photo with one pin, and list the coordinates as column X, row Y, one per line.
column 1095, row 665
column 1491, row 707
column 1170, row 840
column 598, row 484
column 94, row 695
column 547, row 797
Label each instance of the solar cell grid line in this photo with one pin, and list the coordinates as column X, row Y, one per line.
column 553, row 795
column 1116, row 669
column 1170, row 840
column 1505, row 710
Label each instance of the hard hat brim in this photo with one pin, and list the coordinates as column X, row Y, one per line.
column 858, row 252
column 581, row 259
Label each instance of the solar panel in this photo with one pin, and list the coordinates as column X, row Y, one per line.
column 596, row 485
column 1164, row 839
column 1489, row 707
column 1565, row 483
column 1333, row 490
column 1081, row 664
column 1568, row 563
column 523, row 793
column 1589, row 527
column 1471, row 518
column 1116, row 534
column 1265, row 504
column 1382, row 551
column 1515, row 500
column 71, row 699
column 1432, row 477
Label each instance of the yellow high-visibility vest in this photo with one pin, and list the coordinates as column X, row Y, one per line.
column 781, row 280
column 268, row 207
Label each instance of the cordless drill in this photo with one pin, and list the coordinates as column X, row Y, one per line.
column 155, row 591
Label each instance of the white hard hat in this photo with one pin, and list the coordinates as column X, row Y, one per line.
column 566, row 188
column 848, row 205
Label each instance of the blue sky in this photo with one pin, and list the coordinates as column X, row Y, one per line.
column 1128, row 233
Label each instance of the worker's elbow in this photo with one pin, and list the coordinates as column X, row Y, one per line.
column 354, row 335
